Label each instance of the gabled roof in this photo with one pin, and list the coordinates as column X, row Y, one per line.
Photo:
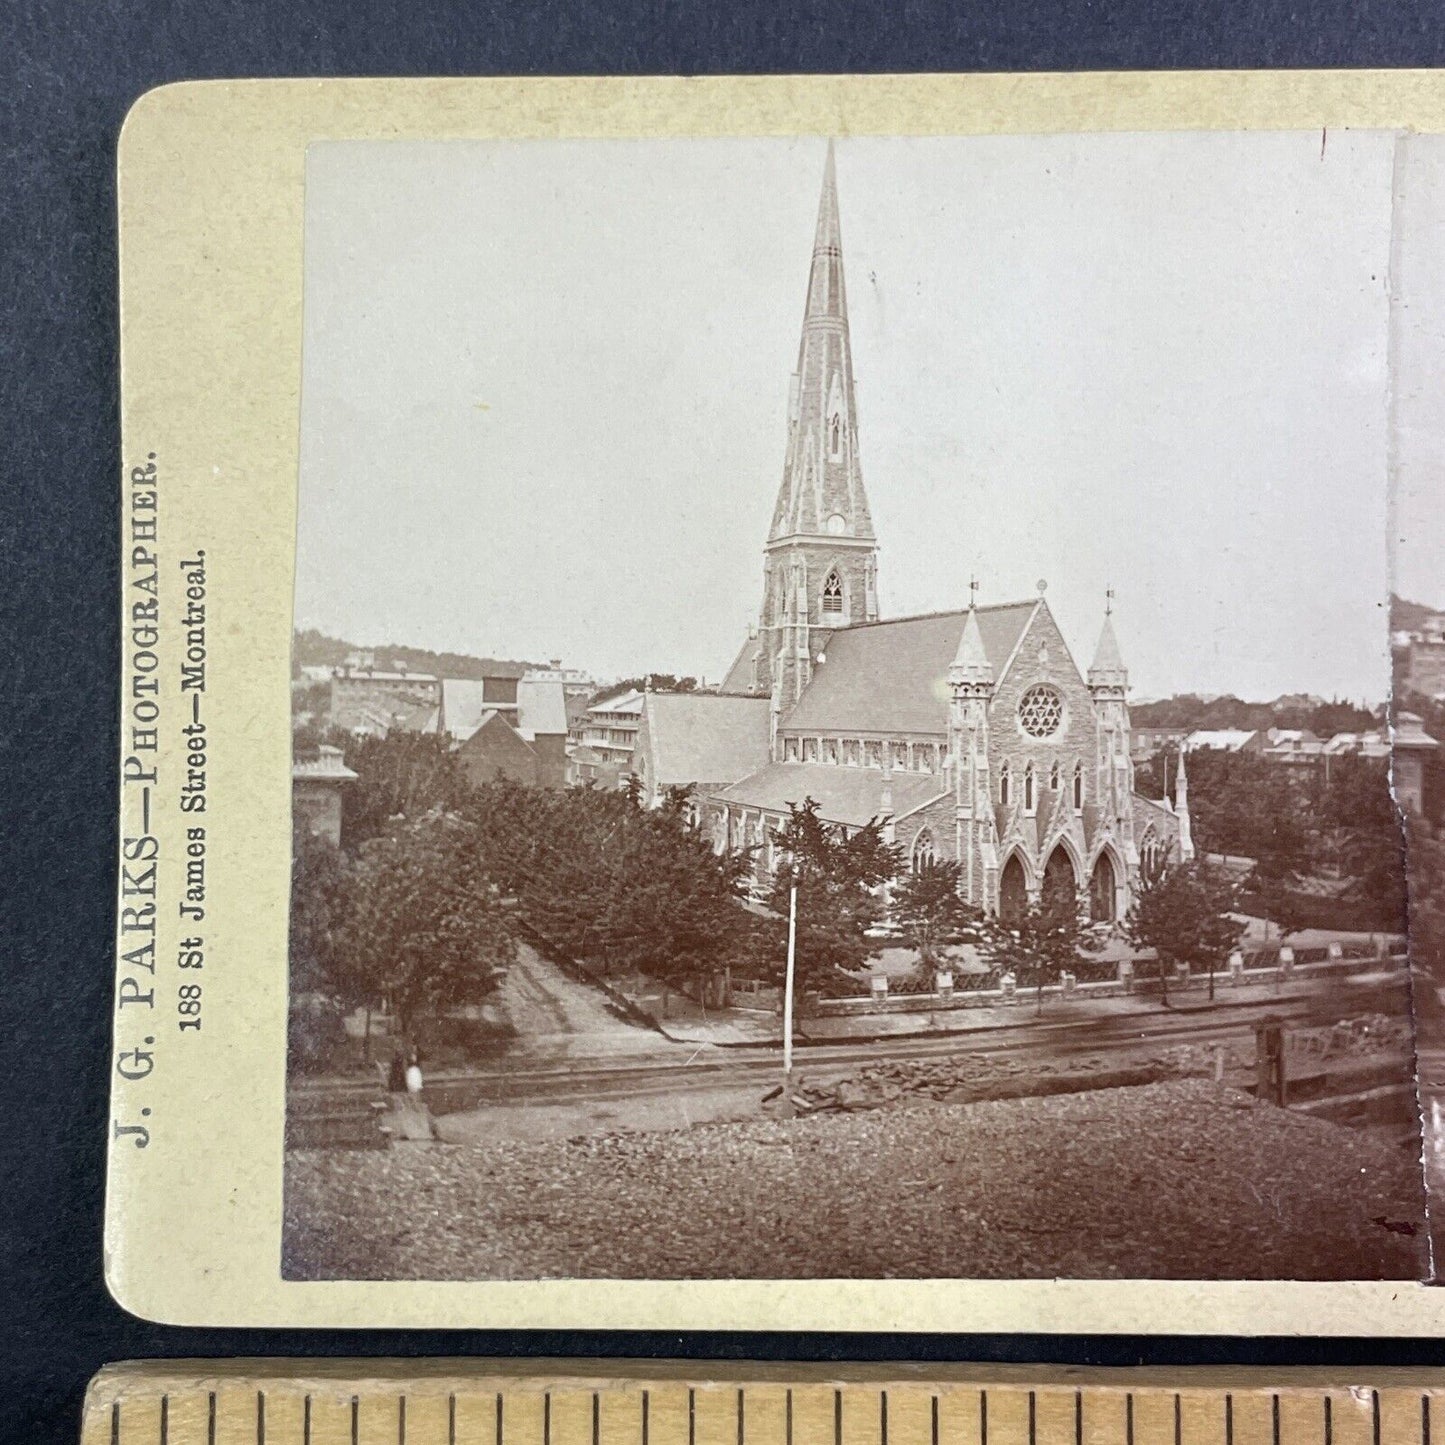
column 854, row 796
column 627, row 702
column 464, row 706
column 704, row 737
column 892, row 677
column 541, row 706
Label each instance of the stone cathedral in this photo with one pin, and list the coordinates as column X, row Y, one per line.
column 972, row 733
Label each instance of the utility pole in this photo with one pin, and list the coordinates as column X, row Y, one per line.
column 788, row 996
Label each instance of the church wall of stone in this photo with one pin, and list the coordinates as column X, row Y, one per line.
column 1076, row 740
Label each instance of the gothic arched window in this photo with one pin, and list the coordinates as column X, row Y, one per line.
column 1078, row 785
column 1028, row 787
column 1005, row 784
column 835, row 434
column 833, row 594
column 1152, row 853
column 924, row 852
column 1054, row 778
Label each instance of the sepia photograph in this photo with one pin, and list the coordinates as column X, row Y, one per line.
column 856, row 708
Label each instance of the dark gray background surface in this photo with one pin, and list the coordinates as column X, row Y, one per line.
column 68, row 73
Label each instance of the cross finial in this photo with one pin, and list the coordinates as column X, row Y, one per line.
column 1108, row 602
column 973, row 591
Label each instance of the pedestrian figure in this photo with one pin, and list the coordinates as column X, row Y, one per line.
column 413, row 1074
column 396, row 1075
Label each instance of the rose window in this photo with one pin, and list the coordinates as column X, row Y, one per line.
column 1041, row 710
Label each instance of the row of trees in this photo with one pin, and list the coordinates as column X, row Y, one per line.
column 422, row 909
column 1295, row 823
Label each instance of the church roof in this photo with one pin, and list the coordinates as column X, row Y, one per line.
column 739, row 677
column 704, row 737
column 854, row 796
column 892, row 677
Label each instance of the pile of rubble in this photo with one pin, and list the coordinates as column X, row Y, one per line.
column 972, row 1078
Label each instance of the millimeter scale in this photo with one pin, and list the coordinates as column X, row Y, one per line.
column 576, row 1402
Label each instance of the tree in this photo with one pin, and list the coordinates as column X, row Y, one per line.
column 1038, row 944
column 927, row 906
column 421, row 926
column 1181, row 912
column 317, row 898
column 839, row 877
column 401, row 775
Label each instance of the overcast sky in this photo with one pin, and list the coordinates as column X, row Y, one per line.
column 545, row 389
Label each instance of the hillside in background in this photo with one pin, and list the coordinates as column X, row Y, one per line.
column 1407, row 616
column 1324, row 719
column 310, row 648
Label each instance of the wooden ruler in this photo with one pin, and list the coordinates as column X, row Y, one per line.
column 571, row 1402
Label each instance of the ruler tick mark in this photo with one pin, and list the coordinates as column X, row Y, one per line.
column 306, row 1421
column 499, row 1417
column 983, row 1417
column 788, row 1419
column 1274, row 1418
column 1178, row 1422
column 547, row 1418
column 1329, row 1422
column 260, row 1417
column 115, row 1422
column 452, row 1419
column 211, row 1418
column 741, row 1415
column 934, row 1413
column 1078, row 1417
column 691, row 1416
column 882, row 1418
column 1129, row 1417
column 165, row 1419
column 1424, row 1420
column 1228, row 1419
column 1033, row 1418
column 646, row 1405
column 401, row 1420
column 596, row 1419
column 837, row 1417
column 356, row 1420
column 1375, row 1414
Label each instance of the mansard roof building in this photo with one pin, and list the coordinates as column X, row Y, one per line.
column 972, row 733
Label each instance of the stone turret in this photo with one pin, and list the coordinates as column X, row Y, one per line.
column 1108, row 681
column 971, row 684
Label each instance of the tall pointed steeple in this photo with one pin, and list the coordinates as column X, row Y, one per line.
column 822, row 487
column 820, row 562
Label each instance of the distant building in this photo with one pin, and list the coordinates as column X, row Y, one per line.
column 316, row 785
column 1298, row 747
column 1226, row 740
column 610, row 730
column 703, row 740
column 1414, row 752
column 1419, row 656
column 507, row 728
column 1146, row 743
column 366, row 700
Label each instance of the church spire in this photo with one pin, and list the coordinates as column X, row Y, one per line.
column 1107, row 669
column 822, row 488
column 970, row 664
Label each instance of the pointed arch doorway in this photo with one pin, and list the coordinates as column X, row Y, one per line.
column 1060, row 889
column 1103, row 882
column 1013, row 891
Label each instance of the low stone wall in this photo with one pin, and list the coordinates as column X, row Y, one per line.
column 963, row 998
